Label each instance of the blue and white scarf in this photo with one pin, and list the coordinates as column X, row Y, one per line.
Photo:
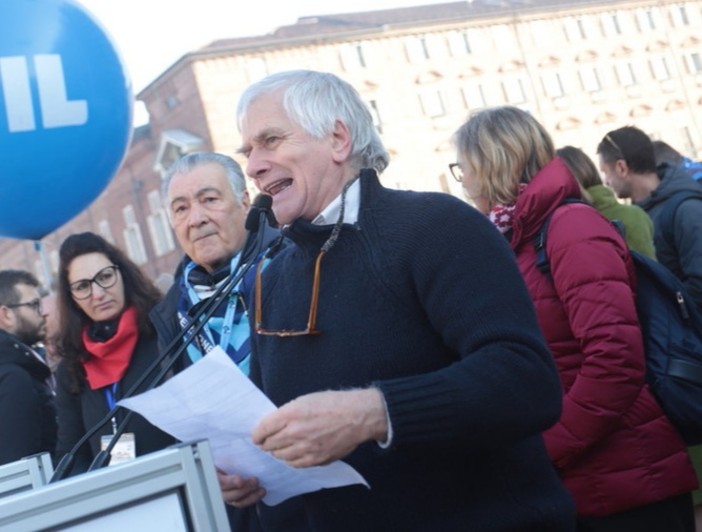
column 228, row 327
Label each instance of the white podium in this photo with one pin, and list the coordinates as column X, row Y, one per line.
column 25, row 474
column 175, row 489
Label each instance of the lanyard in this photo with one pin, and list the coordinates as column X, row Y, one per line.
column 110, row 392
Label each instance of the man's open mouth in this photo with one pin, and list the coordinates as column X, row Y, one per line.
column 278, row 186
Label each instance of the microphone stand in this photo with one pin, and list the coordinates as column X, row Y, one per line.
column 254, row 242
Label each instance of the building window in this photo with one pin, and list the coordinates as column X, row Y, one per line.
column 679, row 16
column 417, row 49
column 352, row 56
column 459, row 43
column 432, row 103
column 576, row 29
column 473, row 96
column 513, row 90
column 552, row 84
column 54, row 259
column 611, row 25
column 132, row 236
column 626, row 73
column 40, row 274
column 689, row 141
column 646, row 20
column 105, row 231
column 172, row 102
column 45, row 269
column 590, row 79
column 159, row 228
column 694, row 63
column 659, row 68
column 170, row 154
column 372, row 106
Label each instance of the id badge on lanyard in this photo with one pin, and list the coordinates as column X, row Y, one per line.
column 125, row 448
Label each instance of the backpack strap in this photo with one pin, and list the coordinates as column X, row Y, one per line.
column 542, row 262
column 667, row 217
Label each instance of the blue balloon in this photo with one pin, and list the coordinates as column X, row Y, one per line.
column 65, row 114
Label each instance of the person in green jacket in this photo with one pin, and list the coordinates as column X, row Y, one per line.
column 638, row 226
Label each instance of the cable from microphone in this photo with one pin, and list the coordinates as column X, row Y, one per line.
column 259, row 216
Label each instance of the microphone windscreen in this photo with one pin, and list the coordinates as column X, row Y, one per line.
column 263, row 201
column 261, row 204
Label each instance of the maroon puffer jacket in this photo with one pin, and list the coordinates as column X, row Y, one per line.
column 613, row 445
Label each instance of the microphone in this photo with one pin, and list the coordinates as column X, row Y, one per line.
column 257, row 219
column 266, row 203
column 259, row 216
column 261, row 205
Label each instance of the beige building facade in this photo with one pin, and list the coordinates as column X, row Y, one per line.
column 581, row 67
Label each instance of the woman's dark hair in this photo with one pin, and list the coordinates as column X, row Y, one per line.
column 139, row 292
column 580, row 165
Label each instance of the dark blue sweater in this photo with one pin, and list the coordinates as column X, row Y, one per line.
column 422, row 297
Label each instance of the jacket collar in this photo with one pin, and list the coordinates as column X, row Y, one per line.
column 12, row 351
column 545, row 192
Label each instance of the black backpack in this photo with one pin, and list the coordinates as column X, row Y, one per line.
column 671, row 326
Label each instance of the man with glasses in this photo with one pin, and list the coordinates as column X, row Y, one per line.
column 394, row 332
column 27, row 411
column 667, row 194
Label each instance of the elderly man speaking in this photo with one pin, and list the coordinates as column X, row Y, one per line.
column 394, row 332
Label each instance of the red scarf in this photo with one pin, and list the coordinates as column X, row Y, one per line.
column 109, row 360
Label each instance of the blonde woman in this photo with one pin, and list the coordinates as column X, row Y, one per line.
column 618, row 455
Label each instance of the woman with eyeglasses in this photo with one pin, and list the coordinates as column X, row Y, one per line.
column 106, row 342
column 616, row 452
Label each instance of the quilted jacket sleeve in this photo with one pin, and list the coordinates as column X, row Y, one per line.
column 592, row 275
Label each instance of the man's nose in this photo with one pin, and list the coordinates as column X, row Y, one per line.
column 197, row 215
column 256, row 165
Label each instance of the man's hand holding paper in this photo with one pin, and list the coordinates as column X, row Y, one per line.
column 213, row 399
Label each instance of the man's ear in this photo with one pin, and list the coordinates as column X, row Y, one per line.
column 621, row 167
column 7, row 318
column 340, row 142
column 246, row 200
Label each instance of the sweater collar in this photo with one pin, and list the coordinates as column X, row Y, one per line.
column 352, row 204
column 310, row 236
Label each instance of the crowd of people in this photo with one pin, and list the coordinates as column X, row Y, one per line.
column 412, row 335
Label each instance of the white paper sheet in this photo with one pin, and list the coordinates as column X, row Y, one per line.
column 214, row 400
